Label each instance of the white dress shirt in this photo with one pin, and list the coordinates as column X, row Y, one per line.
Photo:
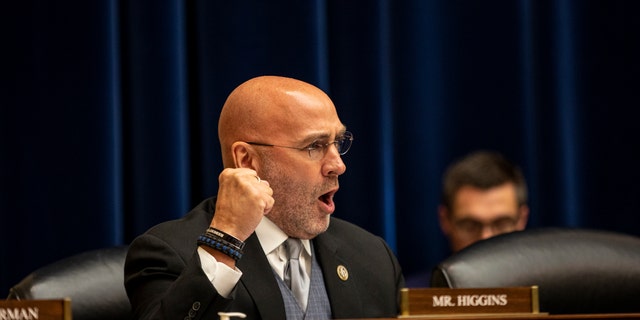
column 271, row 238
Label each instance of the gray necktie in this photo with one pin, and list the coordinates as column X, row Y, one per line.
column 295, row 275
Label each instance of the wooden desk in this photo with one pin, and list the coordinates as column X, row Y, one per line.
column 530, row 316
column 539, row 316
column 487, row 304
column 596, row 316
column 611, row 316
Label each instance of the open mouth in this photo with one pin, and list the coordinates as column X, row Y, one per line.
column 327, row 201
column 328, row 206
column 327, row 198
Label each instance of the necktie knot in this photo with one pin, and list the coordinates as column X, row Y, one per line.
column 293, row 247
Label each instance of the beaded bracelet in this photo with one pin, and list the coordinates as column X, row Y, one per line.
column 225, row 248
column 221, row 235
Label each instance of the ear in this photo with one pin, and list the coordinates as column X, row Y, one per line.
column 243, row 155
column 524, row 217
column 443, row 217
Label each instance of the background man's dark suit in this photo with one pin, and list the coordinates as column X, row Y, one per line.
column 163, row 264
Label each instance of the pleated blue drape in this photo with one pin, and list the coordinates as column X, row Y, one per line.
column 108, row 119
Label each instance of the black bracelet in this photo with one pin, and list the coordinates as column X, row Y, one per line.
column 226, row 249
column 215, row 238
column 219, row 234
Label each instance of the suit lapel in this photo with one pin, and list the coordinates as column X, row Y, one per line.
column 259, row 280
column 343, row 293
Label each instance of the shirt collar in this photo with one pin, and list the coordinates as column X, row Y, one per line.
column 271, row 237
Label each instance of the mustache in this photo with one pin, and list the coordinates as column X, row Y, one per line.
column 330, row 183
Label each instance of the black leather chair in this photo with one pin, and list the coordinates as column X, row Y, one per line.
column 94, row 280
column 577, row 270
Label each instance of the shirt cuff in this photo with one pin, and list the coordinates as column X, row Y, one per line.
column 223, row 278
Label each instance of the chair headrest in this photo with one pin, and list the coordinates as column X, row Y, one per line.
column 577, row 270
column 94, row 280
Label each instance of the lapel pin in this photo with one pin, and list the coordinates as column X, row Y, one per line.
column 343, row 274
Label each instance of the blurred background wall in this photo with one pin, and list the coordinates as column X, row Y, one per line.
column 108, row 110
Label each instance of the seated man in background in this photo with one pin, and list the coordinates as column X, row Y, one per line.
column 483, row 195
column 267, row 245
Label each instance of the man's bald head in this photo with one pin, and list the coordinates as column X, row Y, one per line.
column 265, row 108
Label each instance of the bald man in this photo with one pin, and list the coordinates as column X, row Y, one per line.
column 282, row 146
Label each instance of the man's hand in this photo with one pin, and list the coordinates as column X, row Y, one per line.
column 243, row 198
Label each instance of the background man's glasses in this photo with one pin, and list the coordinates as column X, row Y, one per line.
column 472, row 227
column 318, row 149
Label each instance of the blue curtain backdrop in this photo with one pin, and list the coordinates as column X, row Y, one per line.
column 109, row 110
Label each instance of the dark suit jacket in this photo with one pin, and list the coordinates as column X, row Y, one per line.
column 164, row 279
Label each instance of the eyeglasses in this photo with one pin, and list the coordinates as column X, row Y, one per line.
column 473, row 227
column 318, row 149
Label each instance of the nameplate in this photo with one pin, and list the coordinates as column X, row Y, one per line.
column 35, row 309
column 430, row 301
